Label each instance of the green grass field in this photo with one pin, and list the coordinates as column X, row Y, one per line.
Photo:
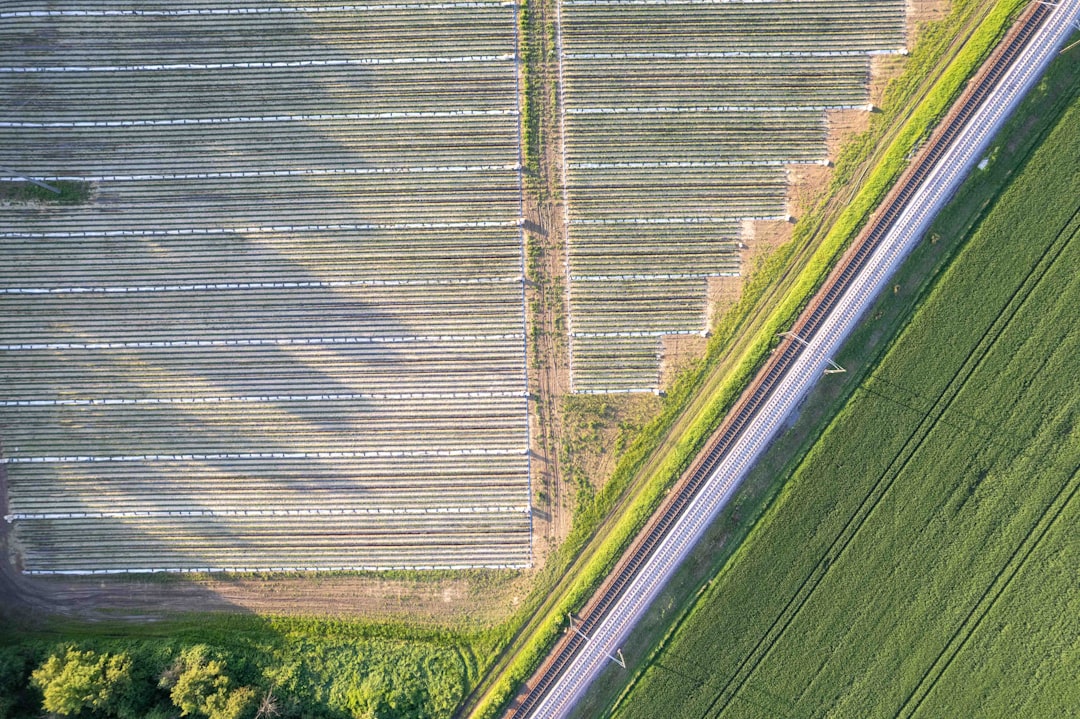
column 922, row 559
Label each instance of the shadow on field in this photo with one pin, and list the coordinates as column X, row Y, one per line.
column 253, row 178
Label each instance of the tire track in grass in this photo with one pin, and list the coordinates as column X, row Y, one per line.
column 899, row 462
column 989, row 598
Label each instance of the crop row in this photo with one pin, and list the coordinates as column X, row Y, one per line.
column 288, row 478
column 241, row 92
column 815, row 25
column 296, row 288
column 634, row 249
column 438, row 31
column 616, row 364
column 322, row 141
column 688, row 192
column 387, row 200
column 338, row 365
column 695, row 81
column 242, row 427
column 369, row 256
column 646, row 305
column 257, row 543
column 701, row 135
column 141, row 317
column 680, row 121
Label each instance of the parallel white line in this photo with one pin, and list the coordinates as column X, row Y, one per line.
column 675, row 220
column 316, row 117
column 264, row 229
column 728, row 54
column 669, row 276
column 626, row 390
column 121, row 401
column 263, row 65
column 686, row 164
column 247, row 570
column 302, row 10
column 82, row 459
column 354, row 511
column 636, row 333
column 313, row 172
column 709, row 108
column 219, row 286
column 269, row 342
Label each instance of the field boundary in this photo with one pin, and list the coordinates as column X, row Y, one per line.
column 630, row 512
column 904, row 455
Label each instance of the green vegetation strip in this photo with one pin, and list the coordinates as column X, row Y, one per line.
column 919, row 562
column 225, row 667
column 932, row 47
column 70, row 192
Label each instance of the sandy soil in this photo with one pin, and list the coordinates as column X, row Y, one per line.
column 721, row 295
column 549, row 377
column 841, row 126
column 678, row 353
column 807, row 185
column 920, row 12
column 761, row 237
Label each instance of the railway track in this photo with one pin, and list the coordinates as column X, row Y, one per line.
column 781, row 360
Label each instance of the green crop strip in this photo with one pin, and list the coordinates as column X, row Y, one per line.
column 70, row 193
column 916, row 562
column 531, row 57
column 932, row 46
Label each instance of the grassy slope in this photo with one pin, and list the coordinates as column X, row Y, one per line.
column 742, row 341
column 885, row 579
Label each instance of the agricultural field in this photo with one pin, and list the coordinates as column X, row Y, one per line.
column 682, row 121
column 285, row 330
column 921, row 561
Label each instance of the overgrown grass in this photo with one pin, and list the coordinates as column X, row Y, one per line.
column 531, row 50
column 731, row 335
column 71, row 193
column 315, row 668
column 912, row 565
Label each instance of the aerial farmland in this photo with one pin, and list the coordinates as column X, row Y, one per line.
column 450, row 358
column 697, row 112
column 286, row 329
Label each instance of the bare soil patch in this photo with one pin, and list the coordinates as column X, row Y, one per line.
column 807, row 185
column 597, row 429
column 883, row 69
column 465, row 602
column 677, row 354
column 759, row 239
column 549, row 370
column 920, row 12
column 841, row 126
column 721, row 295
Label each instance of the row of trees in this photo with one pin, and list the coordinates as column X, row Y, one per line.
column 299, row 671
column 86, row 683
